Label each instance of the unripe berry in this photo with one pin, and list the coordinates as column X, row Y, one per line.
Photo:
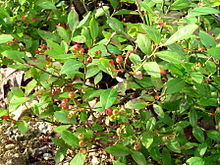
column 81, row 143
column 80, row 136
column 108, row 111
column 119, row 59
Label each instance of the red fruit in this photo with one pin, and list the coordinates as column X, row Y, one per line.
column 157, row 97
column 71, row 94
column 43, row 46
column 5, row 117
column 108, row 111
column 81, row 143
column 23, row 17
column 111, row 63
column 77, row 46
column 97, row 52
column 37, row 51
column 33, row 19
column 89, row 60
column 163, row 72
column 119, row 59
column 64, row 106
column 65, row 101
column 161, row 23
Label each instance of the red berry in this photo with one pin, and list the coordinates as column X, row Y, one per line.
column 161, row 23
column 71, row 94
column 37, row 51
column 119, row 59
column 111, row 62
column 63, row 105
column 163, row 72
column 33, row 19
column 108, row 111
column 43, row 46
column 89, row 60
column 77, row 46
column 97, row 52
column 23, row 17
column 5, row 117
column 81, row 143
column 157, row 97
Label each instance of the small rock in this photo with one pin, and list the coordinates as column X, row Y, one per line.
column 9, row 146
column 95, row 160
column 47, row 156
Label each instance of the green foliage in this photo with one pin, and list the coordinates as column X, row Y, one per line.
column 162, row 98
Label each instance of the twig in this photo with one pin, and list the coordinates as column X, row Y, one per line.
column 139, row 11
column 106, row 45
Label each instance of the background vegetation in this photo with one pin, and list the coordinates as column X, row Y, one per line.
column 140, row 79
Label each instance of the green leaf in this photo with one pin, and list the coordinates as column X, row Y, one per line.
column 150, row 124
column 73, row 20
column 14, row 55
column 153, row 33
column 153, row 69
column 198, row 134
column 70, row 67
column 60, row 155
column 63, row 33
column 5, row 38
column 175, row 85
column 135, row 59
column 21, row 1
column 158, row 110
column 115, row 24
column 3, row 112
column 62, row 116
column 138, row 157
column 201, row 149
column 108, row 98
column 207, row 40
column 214, row 52
column 170, row 56
column 147, row 140
column 19, row 100
column 117, row 163
column 94, row 28
column 98, row 78
column 183, row 33
column 136, row 104
column 193, row 117
column 213, row 134
column 70, row 138
column 45, row 4
column 46, row 35
column 180, row 4
column 118, row 150
column 92, row 71
column 144, row 43
column 197, row 77
column 166, row 157
column 173, row 145
column 17, row 92
column 85, row 20
column 195, row 161
column 55, row 46
column 79, row 159
column 22, row 126
column 202, row 11
column 62, row 127
column 114, row 3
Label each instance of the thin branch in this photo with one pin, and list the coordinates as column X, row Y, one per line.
column 139, row 11
column 109, row 41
